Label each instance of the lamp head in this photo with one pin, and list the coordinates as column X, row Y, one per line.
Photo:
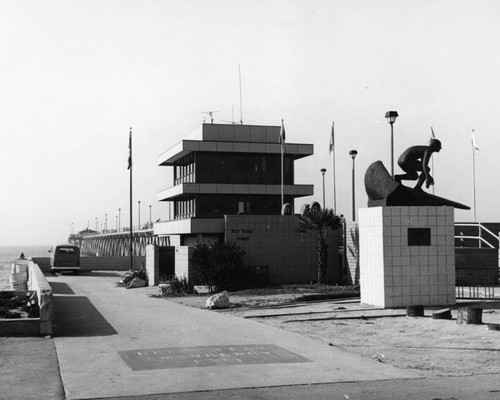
column 353, row 154
column 323, row 170
column 391, row 116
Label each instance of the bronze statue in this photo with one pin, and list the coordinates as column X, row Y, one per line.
column 415, row 159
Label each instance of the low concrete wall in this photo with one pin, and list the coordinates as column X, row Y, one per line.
column 289, row 252
column 32, row 326
column 42, row 262
column 20, row 326
column 37, row 281
column 111, row 263
column 352, row 253
column 152, row 267
column 183, row 266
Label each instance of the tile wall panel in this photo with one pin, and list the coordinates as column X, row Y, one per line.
column 393, row 274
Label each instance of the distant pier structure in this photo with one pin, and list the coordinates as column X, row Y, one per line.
column 113, row 243
column 77, row 238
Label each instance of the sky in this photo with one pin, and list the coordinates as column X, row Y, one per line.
column 75, row 77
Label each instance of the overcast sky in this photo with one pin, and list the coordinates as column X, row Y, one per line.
column 76, row 75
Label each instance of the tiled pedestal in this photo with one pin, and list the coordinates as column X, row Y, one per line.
column 407, row 256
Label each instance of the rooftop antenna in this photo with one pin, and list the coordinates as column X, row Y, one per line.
column 211, row 114
column 241, row 101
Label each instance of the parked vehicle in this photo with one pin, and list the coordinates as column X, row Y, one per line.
column 65, row 257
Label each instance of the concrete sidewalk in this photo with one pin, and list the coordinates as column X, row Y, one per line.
column 112, row 341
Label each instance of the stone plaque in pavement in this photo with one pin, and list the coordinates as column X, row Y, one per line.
column 208, row 356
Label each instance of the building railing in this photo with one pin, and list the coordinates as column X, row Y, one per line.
column 493, row 241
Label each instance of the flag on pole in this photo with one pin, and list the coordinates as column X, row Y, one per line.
column 473, row 141
column 282, row 136
column 332, row 140
column 130, row 149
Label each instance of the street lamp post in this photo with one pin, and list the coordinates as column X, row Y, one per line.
column 391, row 118
column 139, row 215
column 150, row 214
column 96, row 227
column 353, row 154
column 119, row 219
column 323, row 170
column 105, row 222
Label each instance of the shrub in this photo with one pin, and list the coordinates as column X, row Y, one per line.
column 177, row 286
column 131, row 274
column 217, row 264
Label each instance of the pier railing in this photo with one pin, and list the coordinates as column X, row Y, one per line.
column 118, row 243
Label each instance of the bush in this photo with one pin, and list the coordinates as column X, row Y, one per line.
column 217, row 265
column 131, row 274
column 177, row 286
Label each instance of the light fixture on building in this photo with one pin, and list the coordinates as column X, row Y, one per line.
column 391, row 118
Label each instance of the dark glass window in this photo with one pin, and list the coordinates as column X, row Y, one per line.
column 241, row 168
column 185, row 207
column 209, row 206
column 419, row 236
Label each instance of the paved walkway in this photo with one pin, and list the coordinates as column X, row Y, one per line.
column 116, row 342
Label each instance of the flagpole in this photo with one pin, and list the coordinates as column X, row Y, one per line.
column 131, row 231
column 282, row 194
column 282, row 140
column 474, row 177
column 334, row 189
column 332, row 150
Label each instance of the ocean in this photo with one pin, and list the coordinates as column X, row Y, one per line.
column 9, row 254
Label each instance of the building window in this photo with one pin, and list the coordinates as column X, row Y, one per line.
column 184, row 170
column 185, row 207
column 210, row 206
column 242, row 168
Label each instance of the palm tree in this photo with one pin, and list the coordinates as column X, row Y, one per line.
column 320, row 221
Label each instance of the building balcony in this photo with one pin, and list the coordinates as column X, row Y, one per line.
column 173, row 192
column 185, row 147
column 189, row 226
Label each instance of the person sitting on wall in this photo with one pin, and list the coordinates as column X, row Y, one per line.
column 415, row 159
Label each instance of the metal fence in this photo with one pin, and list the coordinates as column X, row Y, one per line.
column 476, row 283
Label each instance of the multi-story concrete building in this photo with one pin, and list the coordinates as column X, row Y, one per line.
column 228, row 170
column 227, row 185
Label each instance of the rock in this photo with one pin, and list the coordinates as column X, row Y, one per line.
column 164, row 288
column 136, row 282
column 470, row 315
column 219, row 300
column 415, row 311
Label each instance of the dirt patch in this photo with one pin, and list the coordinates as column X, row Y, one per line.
column 273, row 296
column 425, row 345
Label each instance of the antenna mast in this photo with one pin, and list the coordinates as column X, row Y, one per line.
column 211, row 114
column 241, row 101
